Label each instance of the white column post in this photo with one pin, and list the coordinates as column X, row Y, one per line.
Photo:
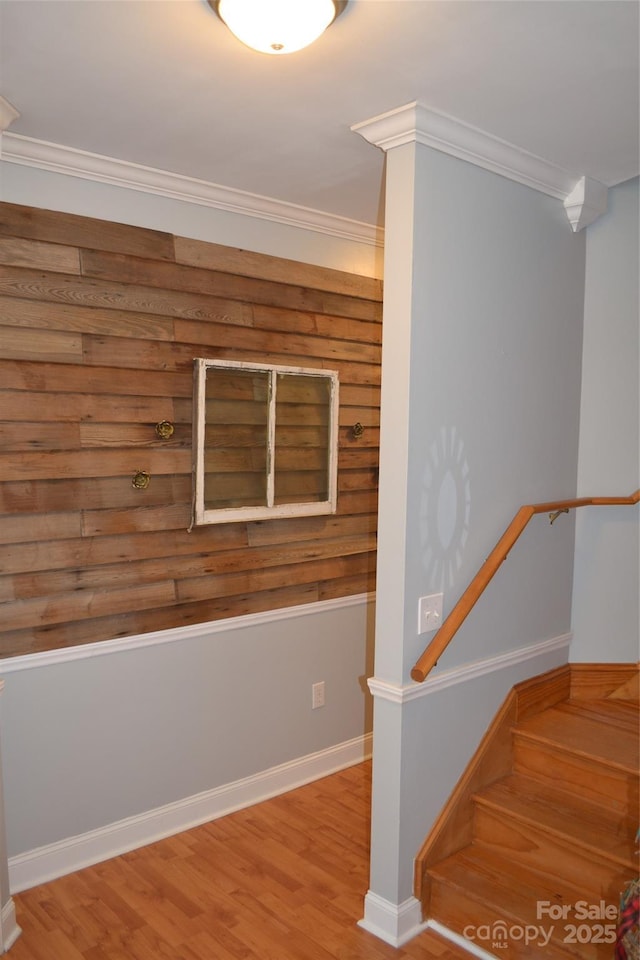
column 9, row 929
column 430, row 200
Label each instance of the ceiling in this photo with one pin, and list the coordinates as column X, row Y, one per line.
column 164, row 84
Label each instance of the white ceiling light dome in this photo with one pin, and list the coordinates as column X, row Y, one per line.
column 277, row 26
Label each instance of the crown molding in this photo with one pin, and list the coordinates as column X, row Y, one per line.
column 8, row 114
column 69, row 161
column 586, row 202
column 415, row 123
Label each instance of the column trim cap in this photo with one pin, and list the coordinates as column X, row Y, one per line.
column 416, row 123
column 8, row 114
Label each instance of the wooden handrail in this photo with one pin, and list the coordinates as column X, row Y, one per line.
column 476, row 588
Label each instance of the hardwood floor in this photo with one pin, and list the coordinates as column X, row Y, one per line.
column 282, row 880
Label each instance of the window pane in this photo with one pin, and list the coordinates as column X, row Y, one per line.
column 235, row 444
column 303, row 406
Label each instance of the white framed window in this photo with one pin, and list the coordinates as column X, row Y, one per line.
column 265, row 441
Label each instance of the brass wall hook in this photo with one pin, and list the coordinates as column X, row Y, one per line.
column 140, row 480
column 357, row 431
column 554, row 516
column 164, row 429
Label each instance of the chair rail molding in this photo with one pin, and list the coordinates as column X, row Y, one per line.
column 584, row 199
column 403, row 693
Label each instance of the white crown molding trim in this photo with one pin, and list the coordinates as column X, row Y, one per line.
column 103, row 648
column 416, row 123
column 66, row 856
column 394, row 923
column 8, row 114
column 10, row 929
column 586, row 202
column 401, row 694
column 69, row 161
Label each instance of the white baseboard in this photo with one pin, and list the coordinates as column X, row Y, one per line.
column 395, row 923
column 9, row 925
column 472, row 948
column 66, row 856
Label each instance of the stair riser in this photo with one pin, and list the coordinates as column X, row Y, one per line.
column 554, row 856
column 594, row 780
column 459, row 912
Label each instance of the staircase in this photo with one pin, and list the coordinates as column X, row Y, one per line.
column 538, row 841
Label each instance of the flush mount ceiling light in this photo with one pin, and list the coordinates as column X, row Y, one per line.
column 278, row 26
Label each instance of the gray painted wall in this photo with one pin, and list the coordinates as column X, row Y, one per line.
column 607, row 578
column 92, row 741
column 483, row 342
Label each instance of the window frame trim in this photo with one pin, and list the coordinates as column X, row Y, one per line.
column 205, row 517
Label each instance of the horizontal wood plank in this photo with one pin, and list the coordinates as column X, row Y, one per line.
column 69, row 378
column 52, row 226
column 76, row 633
column 86, row 493
column 49, row 287
column 316, row 324
column 214, row 256
column 41, row 527
column 200, row 588
column 86, row 552
column 51, row 407
column 103, row 523
column 17, row 252
column 99, row 328
column 54, row 464
column 35, row 583
column 80, row 319
column 46, row 345
column 133, row 435
column 85, row 605
column 145, row 355
column 104, row 266
column 38, row 436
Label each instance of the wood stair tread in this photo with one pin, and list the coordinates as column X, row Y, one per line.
column 605, row 832
column 497, row 889
column 576, row 731
column 545, row 815
column 615, row 713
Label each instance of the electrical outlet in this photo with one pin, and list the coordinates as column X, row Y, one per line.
column 429, row 613
column 317, row 695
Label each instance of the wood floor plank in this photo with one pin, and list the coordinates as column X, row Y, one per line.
column 282, row 880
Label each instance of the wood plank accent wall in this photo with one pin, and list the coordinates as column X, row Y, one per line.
column 99, row 326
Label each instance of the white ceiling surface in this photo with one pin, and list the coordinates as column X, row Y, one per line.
column 164, row 84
